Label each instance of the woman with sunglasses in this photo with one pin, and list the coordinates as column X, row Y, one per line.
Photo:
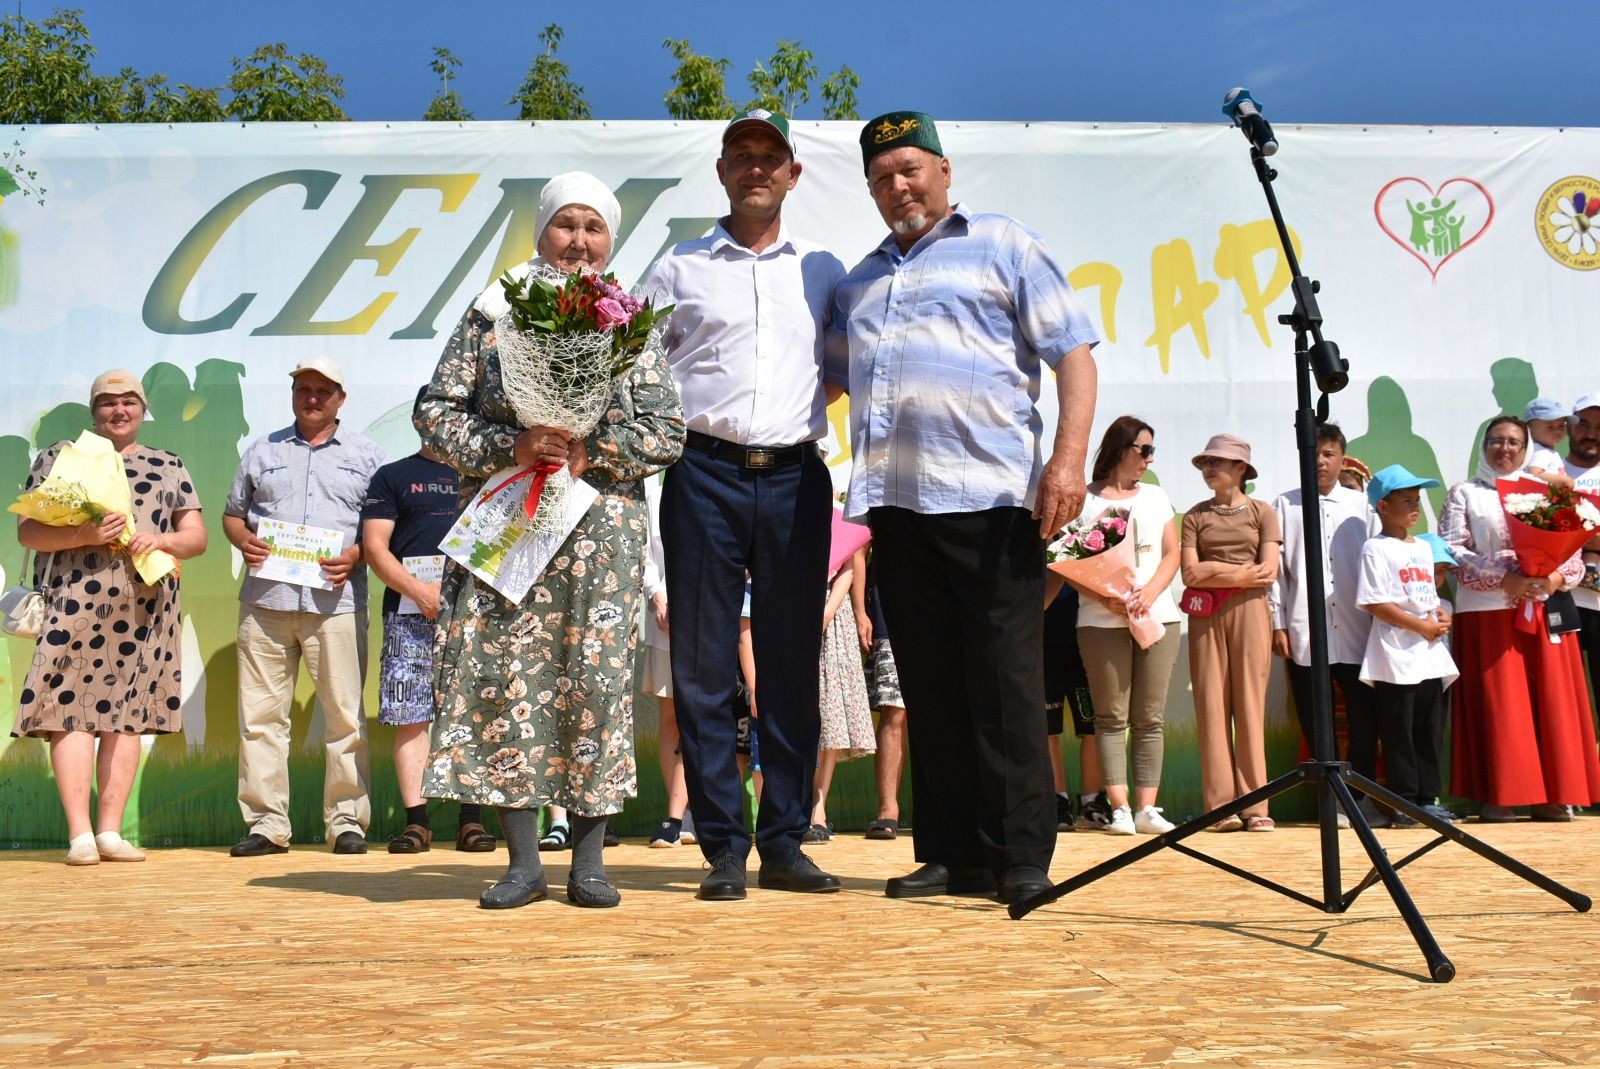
column 1522, row 732
column 1127, row 683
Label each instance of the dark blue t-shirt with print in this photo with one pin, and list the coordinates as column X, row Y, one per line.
column 420, row 496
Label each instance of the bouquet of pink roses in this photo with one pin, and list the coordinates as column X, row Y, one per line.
column 1097, row 558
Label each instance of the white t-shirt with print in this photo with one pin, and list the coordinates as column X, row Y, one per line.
column 1400, row 572
column 1588, row 480
column 1149, row 511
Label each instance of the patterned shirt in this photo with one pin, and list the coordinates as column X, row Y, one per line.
column 944, row 344
column 284, row 477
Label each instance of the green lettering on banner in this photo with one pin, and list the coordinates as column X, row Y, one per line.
column 518, row 211
column 172, row 281
column 350, row 244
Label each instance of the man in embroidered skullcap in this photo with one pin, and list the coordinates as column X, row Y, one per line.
column 947, row 322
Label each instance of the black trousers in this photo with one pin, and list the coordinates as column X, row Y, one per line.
column 1363, row 743
column 964, row 596
column 720, row 520
column 1411, row 724
column 1589, row 642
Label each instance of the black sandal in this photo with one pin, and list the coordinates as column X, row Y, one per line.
column 883, row 829
column 559, row 837
column 414, row 840
column 473, row 838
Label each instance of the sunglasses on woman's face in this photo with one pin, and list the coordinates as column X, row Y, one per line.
column 1146, row 451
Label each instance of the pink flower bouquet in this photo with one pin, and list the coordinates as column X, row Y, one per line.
column 1098, row 559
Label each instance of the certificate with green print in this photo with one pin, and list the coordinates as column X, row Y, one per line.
column 298, row 551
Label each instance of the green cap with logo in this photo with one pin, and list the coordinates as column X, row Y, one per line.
column 898, row 129
column 759, row 118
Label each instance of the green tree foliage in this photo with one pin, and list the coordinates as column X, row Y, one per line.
column 45, row 75
column 547, row 90
column 446, row 104
column 272, row 86
column 153, row 100
column 839, row 94
column 699, row 84
column 784, row 83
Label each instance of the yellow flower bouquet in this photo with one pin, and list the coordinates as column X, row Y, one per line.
column 86, row 484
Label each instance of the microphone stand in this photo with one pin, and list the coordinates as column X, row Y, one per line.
column 1332, row 778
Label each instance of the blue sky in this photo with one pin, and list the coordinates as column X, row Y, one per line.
column 1334, row 61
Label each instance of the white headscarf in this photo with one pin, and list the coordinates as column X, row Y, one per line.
column 573, row 187
column 577, row 187
column 1486, row 474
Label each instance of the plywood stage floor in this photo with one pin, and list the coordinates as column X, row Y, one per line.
column 195, row 958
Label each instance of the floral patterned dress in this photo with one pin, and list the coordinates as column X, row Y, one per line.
column 535, row 700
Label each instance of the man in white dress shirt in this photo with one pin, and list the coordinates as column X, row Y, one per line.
column 1347, row 523
column 751, row 495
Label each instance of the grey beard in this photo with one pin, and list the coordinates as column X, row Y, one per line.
column 911, row 225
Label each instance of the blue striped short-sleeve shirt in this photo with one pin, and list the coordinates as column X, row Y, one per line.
column 944, row 346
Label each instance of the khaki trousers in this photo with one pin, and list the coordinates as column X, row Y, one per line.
column 271, row 643
column 1230, row 658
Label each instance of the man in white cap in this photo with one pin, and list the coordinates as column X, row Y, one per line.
column 311, row 473
column 1583, row 466
column 750, row 495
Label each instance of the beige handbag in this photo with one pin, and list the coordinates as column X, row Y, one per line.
column 23, row 607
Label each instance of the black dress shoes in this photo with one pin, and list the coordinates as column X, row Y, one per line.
column 1022, row 882
column 795, row 872
column 350, row 842
column 726, row 881
column 935, row 879
column 509, row 894
column 254, row 845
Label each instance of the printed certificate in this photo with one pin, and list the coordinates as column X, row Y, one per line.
column 297, row 553
column 423, row 569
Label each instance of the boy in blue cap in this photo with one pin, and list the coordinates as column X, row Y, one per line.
column 1407, row 660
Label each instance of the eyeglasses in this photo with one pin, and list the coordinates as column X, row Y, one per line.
column 1146, row 451
column 1503, row 443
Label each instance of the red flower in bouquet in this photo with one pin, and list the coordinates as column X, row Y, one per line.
column 1547, row 525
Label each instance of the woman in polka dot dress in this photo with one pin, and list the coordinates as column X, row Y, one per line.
column 109, row 663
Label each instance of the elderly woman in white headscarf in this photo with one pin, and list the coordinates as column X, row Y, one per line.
column 535, row 699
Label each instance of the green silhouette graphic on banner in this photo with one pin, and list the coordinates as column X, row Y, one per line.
column 1390, row 440
column 1515, row 384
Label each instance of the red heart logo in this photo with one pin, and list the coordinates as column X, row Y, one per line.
column 1437, row 225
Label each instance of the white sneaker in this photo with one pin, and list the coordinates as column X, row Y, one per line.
column 81, row 851
column 1342, row 820
column 113, row 847
column 1122, row 822
column 1149, row 821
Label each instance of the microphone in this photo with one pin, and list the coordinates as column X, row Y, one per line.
column 1241, row 107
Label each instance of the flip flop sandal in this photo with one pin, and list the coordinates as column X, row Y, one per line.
column 883, row 829
column 474, row 838
column 414, row 840
column 559, row 837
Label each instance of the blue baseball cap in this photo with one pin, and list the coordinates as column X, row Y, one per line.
column 1545, row 408
column 1441, row 551
column 1394, row 477
column 1588, row 400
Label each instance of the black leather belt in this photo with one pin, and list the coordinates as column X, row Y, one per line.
column 754, row 457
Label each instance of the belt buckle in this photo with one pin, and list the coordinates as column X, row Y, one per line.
column 760, row 458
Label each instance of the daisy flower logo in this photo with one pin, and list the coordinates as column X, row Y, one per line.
column 1567, row 221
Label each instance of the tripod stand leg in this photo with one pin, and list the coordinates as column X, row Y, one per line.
column 1577, row 901
column 1440, row 968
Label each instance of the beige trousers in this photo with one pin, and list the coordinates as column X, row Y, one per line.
column 271, row 643
column 1230, row 658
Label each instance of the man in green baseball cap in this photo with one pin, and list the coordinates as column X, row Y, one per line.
column 759, row 119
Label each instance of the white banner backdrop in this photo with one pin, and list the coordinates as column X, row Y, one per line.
column 207, row 247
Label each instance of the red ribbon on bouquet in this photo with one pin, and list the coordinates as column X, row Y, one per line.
column 538, row 473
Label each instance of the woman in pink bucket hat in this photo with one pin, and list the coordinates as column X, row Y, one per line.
column 1230, row 547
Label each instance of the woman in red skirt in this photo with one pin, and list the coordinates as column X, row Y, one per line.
column 1523, row 732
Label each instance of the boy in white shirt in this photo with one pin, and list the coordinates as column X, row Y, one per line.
column 1547, row 428
column 1407, row 659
